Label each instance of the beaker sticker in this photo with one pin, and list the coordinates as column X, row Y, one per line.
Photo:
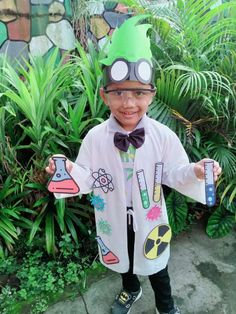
column 154, row 213
column 98, row 202
column 107, row 256
column 103, row 180
column 61, row 181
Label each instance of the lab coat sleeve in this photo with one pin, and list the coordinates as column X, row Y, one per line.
column 178, row 173
column 81, row 171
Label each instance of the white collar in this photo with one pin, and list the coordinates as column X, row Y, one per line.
column 114, row 126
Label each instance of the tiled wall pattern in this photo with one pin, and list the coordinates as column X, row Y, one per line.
column 104, row 18
column 35, row 26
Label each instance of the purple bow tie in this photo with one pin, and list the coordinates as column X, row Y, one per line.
column 136, row 138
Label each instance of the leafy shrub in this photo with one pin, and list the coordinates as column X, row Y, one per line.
column 35, row 281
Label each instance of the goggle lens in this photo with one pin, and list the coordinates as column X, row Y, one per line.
column 119, row 71
column 144, row 71
column 122, row 70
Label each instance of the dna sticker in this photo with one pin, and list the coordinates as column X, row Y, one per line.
column 209, row 183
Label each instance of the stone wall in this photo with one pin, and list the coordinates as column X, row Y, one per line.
column 104, row 18
column 35, row 27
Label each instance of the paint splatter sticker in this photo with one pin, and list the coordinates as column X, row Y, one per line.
column 98, row 202
column 154, row 213
column 104, row 226
column 103, row 180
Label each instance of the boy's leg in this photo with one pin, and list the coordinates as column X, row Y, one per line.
column 130, row 281
column 161, row 286
column 131, row 291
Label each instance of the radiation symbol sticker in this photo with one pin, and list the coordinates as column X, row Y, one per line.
column 157, row 241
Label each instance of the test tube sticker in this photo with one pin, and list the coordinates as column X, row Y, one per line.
column 157, row 182
column 209, row 183
column 143, row 189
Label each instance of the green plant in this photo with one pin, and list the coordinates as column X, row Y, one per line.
column 48, row 107
column 11, row 219
column 39, row 280
column 89, row 71
column 37, row 94
column 177, row 210
column 53, row 214
column 220, row 223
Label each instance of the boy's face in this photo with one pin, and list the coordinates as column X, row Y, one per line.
column 128, row 101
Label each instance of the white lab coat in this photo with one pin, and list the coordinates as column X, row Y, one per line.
column 98, row 168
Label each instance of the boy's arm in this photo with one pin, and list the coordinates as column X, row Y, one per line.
column 82, row 169
column 178, row 173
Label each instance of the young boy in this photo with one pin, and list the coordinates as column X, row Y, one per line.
column 123, row 161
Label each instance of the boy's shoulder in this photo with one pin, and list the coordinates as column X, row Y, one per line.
column 97, row 130
column 100, row 127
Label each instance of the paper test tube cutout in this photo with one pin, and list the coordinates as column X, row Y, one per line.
column 209, row 183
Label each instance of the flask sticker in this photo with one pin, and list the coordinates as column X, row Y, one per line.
column 107, row 256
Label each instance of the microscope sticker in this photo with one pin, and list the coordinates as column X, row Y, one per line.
column 107, row 256
column 98, row 202
column 143, row 188
column 157, row 241
column 103, row 180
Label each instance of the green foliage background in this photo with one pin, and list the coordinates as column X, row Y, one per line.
column 47, row 107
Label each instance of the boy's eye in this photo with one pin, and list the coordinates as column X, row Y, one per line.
column 139, row 93
column 118, row 93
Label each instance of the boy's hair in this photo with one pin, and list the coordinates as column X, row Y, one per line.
column 129, row 55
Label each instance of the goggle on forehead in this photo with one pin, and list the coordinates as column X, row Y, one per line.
column 122, row 70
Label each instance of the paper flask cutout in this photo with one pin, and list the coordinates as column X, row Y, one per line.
column 62, row 182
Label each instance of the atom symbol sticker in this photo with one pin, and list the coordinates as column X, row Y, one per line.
column 103, row 180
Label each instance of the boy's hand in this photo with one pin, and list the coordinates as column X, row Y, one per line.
column 50, row 169
column 199, row 169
